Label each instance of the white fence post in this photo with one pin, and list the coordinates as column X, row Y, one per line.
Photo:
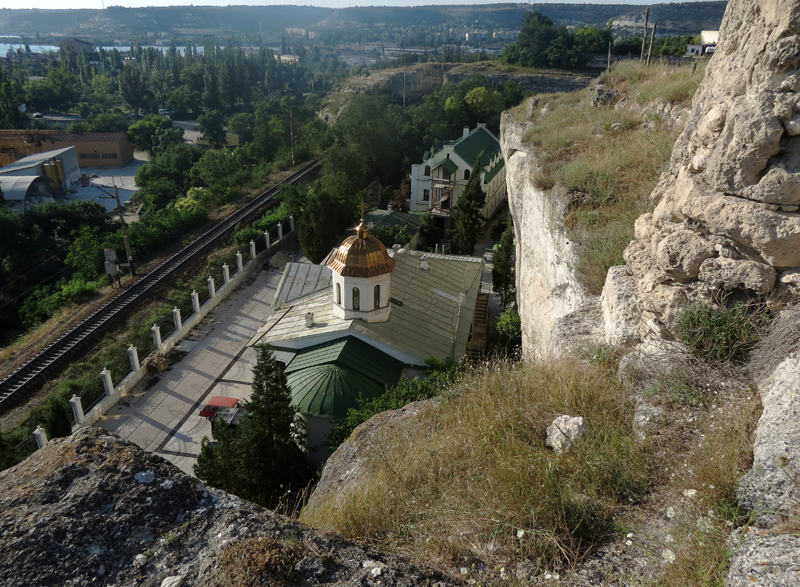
column 156, row 336
column 195, row 302
column 280, row 231
column 226, row 273
column 77, row 409
column 239, row 265
column 266, row 238
column 253, row 249
column 133, row 355
column 107, row 382
column 291, row 223
column 176, row 317
column 41, row 437
column 212, row 290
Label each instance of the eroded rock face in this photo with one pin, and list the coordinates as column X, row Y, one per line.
column 726, row 211
column 93, row 509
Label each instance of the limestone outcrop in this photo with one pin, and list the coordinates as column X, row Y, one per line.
column 92, row 509
column 726, row 211
column 547, row 289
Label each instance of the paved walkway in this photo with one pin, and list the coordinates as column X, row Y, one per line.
column 165, row 418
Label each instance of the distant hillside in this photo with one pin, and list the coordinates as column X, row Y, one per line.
column 116, row 19
column 685, row 18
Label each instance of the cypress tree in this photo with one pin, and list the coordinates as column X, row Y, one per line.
column 261, row 460
column 467, row 212
column 503, row 266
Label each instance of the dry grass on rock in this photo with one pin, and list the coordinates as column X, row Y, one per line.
column 613, row 157
column 472, row 480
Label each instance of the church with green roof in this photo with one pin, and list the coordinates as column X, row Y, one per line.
column 355, row 324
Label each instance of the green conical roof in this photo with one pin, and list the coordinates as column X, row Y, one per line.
column 330, row 390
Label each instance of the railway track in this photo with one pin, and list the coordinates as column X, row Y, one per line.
column 50, row 361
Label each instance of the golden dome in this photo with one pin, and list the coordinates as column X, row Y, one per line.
column 361, row 255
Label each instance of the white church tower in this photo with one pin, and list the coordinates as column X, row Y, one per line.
column 362, row 277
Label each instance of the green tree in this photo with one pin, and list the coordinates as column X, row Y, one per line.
column 507, row 337
column 134, row 88
column 315, row 230
column 242, row 125
column 467, row 217
column 212, row 125
column 261, row 460
column 503, row 266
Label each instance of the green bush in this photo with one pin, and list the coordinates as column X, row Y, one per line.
column 440, row 375
column 721, row 333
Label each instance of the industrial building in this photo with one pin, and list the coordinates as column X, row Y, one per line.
column 34, row 179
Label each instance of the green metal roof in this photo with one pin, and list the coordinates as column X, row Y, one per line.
column 431, row 311
column 329, row 391
column 384, row 218
column 478, row 141
column 490, row 175
column 352, row 353
column 448, row 164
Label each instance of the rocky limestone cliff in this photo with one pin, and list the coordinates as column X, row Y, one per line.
column 547, row 288
column 557, row 312
column 726, row 211
column 93, row 509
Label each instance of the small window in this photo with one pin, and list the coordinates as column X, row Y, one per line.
column 426, row 195
column 356, row 299
column 466, row 173
column 377, row 303
column 339, row 294
column 427, row 171
column 445, row 173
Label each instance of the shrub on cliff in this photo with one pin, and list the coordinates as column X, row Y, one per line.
column 721, row 332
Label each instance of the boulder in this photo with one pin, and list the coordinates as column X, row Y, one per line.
column 777, row 187
column 729, row 274
column 564, row 431
column 602, row 97
column 770, row 489
column 73, row 513
column 773, row 234
column 681, row 253
column 621, row 307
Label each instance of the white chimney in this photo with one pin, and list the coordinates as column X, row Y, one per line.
column 423, row 262
column 309, row 319
column 465, row 133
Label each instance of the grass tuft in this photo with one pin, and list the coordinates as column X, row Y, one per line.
column 721, row 332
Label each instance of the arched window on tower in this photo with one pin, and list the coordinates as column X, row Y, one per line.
column 466, row 174
column 339, row 294
column 356, row 299
column 427, row 171
column 377, row 303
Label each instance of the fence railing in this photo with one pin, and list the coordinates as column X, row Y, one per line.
column 103, row 392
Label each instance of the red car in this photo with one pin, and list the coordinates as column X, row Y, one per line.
column 215, row 403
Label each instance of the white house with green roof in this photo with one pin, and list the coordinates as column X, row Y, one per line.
column 439, row 180
column 357, row 323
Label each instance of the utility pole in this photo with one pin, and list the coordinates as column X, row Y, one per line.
column 609, row 55
column 644, row 35
column 291, row 130
column 115, row 195
column 403, row 57
column 652, row 38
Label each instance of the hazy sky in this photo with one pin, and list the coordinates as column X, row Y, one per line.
column 325, row 3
